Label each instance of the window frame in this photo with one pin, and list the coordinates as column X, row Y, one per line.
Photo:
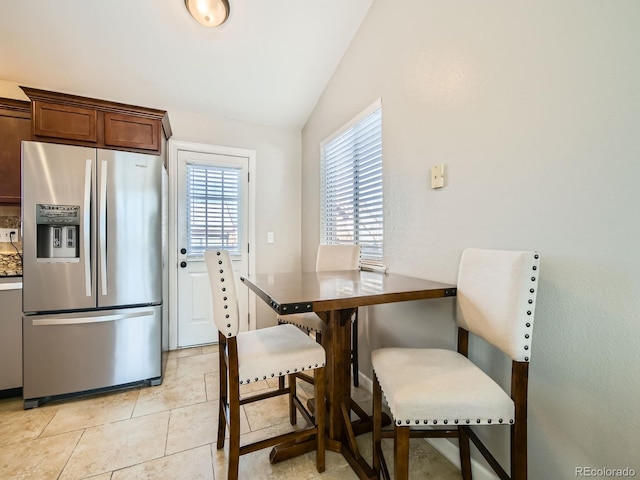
column 327, row 236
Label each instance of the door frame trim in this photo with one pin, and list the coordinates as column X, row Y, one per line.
column 175, row 146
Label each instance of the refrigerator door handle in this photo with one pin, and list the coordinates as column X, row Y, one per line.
column 103, row 227
column 94, row 319
column 86, row 228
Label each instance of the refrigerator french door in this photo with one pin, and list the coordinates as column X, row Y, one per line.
column 92, row 273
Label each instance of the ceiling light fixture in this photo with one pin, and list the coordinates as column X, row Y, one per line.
column 210, row 13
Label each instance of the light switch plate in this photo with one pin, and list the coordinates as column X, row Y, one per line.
column 437, row 176
column 270, row 237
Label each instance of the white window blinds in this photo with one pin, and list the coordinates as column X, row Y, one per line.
column 351, row 188
column 213, row 208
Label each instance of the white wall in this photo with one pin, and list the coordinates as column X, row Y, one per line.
column 534, row 107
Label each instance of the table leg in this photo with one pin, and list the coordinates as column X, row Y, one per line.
column 341, row 432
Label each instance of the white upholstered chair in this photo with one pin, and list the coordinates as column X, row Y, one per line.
column 256, row 355
column 330, row 258
column 443, row 390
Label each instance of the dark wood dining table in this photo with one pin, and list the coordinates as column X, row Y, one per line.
column 334, row 297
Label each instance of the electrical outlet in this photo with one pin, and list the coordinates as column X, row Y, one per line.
column 5, row 235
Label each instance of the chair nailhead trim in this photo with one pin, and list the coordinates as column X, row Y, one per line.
column 489, row 421
column 530, row 301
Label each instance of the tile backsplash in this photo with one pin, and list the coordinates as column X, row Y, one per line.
column 10, row 218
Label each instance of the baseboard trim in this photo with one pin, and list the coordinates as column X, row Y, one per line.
column 447, row 449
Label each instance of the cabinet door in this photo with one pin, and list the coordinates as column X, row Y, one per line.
column 65, row 121
column 14, row 127
column 129, row 131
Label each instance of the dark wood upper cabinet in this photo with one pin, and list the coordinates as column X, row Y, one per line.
column 122, row 130
column 64, row 121
column 70, row 119
column 15, row 126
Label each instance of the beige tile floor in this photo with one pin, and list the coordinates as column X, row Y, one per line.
column 168, row 432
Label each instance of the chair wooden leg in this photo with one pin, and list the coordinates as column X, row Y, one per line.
column 519, row 451
column 222, row 424
column 519, row 382
column 222, row 393
column 401, row 453
column 354, row 349
column 320, row 414
column 377, row 424
column 234, row 430
column 293, row 417
column 465, row 453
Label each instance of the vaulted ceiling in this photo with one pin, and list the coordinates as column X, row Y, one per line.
column 268, row 64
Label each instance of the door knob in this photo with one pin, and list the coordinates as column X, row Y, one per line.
column 183, row 251
column 183, row 264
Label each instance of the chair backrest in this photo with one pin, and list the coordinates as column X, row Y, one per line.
column 338, row 257
column 496, row 298
column 223, row 292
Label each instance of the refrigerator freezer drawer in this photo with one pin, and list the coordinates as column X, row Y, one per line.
column 71, row 353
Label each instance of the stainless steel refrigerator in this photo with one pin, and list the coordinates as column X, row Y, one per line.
column 92, row 269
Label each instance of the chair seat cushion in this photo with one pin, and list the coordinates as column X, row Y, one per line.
column 305, row 320
column 275, row 351
column 439, row 387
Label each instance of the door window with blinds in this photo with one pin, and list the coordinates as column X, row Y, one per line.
column 351, row 188
column 213, row 208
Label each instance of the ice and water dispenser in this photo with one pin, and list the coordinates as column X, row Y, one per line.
column 58, row 227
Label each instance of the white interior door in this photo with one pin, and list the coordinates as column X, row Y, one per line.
column 213, row 211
